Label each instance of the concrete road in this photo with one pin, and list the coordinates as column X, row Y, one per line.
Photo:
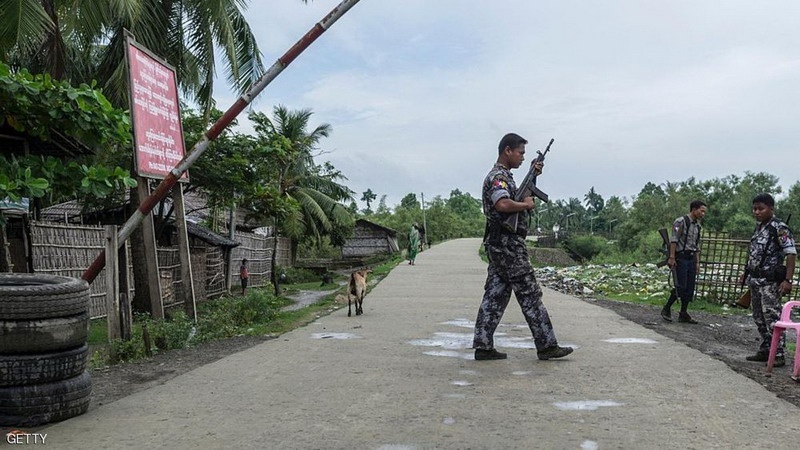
column 402, row 377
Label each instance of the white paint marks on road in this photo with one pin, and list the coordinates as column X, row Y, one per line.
column 630, row 341
column 521, row 373
column 466, row 323
column 589, row 445
column 455, row 396
column 449, row 354
column 458, row 341
column 585, row 405
column 340, row 336
column 461, row 383
column 463, row 323
column 516, row 342
column 450, row 341
column 514, row 325
column 449, row 421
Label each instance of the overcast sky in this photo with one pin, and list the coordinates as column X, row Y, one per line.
column 419, row 92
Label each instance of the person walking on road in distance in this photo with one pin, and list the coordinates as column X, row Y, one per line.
column 684, row 260
column 767, row 276
column 413, row 243
column 509, row 264
column 244, row 274
column 423, row 236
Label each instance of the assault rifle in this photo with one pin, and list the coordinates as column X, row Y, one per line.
column 664, row 247
column 528, row 189
column 673, row 293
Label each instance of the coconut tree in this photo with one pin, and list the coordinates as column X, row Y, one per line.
column 304, row 199
column 316, row 188
column 84, row 40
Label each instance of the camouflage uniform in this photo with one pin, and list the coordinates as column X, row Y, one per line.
column 509, row 269
column 767, row 250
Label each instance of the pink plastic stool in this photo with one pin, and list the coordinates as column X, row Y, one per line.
column 781, row 326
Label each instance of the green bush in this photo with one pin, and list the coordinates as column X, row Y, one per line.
column 296, row 275
column 173, row 332
column 587, row 247
column 230, row 316
column 130, row 350
column 217, row 319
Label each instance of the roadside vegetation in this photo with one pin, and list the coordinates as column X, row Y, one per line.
column 257, row 313
column 644, row 284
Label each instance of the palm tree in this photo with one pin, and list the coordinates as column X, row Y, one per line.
column 81, row 41
column 594, row 201
column 314, row 189
column 368, row 196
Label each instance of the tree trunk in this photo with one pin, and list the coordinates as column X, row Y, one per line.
column 295, row 244
column 5, row 253
column 229, row 252
column 141, row 298
column 275, row 276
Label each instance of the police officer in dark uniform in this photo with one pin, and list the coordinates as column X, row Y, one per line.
column 509, row 265
column 684, row 260
column 767, row 276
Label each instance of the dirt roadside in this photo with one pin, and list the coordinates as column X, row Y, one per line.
column 728, row 338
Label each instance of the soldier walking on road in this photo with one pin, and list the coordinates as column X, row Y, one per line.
column 509, row 264
column 767, row 276
column 684, row 260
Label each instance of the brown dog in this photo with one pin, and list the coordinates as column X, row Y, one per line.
column 358, row 289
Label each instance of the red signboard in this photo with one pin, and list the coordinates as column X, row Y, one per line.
column 155, row 114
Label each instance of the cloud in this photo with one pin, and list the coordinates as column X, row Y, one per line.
column 419, row 92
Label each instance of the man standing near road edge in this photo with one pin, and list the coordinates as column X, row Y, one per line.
column 684, row 260
column 509, row 264
column 767, row 276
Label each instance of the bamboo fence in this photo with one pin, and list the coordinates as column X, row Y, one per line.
column 722, row 262
column 68, row 250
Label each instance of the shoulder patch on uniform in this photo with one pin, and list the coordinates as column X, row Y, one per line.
column 783, row 235
column 500, row 184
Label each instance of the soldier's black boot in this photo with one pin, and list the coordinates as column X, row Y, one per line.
column 484, row 355
column 759, row 357
column 553, row 352
column 685, row 318
column 666, row 314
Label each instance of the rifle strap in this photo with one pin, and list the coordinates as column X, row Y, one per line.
column 685, row 236
column 773, row 235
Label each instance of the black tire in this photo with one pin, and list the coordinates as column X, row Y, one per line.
column 39, row 296
column 43, row 336
column 30, row 406
column 23, row 370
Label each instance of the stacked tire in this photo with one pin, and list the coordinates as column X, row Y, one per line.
column 44, row 324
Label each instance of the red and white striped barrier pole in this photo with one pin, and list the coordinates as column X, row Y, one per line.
column 175, row 174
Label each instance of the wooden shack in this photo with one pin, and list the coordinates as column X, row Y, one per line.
column 370, row 239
